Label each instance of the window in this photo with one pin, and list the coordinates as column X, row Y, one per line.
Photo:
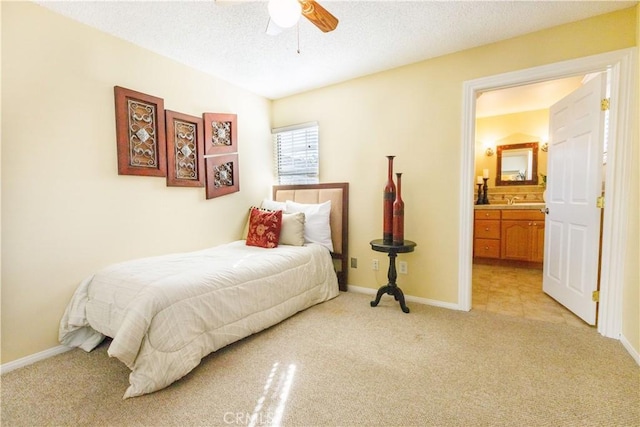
column 296, row 153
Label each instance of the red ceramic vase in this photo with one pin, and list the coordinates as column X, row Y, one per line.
column 398, row 216
column 389, row 197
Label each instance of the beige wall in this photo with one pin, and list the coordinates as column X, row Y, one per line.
column 631, row 293
column 516, row 128
column 65, row 210
column 414, row 112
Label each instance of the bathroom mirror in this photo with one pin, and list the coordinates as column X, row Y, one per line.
column 517, row 164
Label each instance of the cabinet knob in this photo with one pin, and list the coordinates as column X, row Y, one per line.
column 486, row 229
column 529, row 223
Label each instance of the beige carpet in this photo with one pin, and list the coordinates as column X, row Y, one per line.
column 344, row 363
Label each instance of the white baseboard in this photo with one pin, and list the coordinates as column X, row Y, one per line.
column 409, row 298
column 361, row 290
column 20, row 363
column 632, row 351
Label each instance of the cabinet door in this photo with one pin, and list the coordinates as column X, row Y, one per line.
column 537, row 241
column 515, row 240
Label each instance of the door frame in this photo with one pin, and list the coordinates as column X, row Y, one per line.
column 619, row 161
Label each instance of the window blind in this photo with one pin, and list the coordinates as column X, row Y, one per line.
column 296, row 154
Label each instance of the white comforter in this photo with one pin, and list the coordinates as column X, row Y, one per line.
column 166, row 313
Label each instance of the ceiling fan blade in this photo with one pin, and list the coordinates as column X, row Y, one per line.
column 318, row 15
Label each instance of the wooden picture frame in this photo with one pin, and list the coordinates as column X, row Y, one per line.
column 528, row 152
column 140, row 133
column 222, row 175
column 220, row 133
column 185, row 150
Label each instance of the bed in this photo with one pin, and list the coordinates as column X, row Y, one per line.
column 165, row 313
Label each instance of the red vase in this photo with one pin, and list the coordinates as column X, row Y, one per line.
column 398, row 216
column 388, row 199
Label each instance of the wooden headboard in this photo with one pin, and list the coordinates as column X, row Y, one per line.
column 338, row 193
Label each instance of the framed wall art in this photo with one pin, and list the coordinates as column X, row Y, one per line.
column 220, row 133
column 185, row 150
column 140, row 133
column 222, row 175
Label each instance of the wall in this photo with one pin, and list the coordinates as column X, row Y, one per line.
column 527, row 126
column 65, row 211
column 414, row 112
column 516, row 128
column 631, row 292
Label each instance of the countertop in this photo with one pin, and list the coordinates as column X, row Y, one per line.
column 516, row 206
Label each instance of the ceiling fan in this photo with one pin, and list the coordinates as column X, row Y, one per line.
column 286, row 13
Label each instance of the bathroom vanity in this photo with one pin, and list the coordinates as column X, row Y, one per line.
column 509, row 234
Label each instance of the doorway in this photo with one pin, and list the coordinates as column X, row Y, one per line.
column 621, row 109
column 521, row 115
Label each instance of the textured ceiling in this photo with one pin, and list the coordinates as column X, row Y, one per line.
column 227, row 39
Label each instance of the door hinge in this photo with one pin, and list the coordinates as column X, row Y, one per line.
column 604, row 104
column 595, row 296
column 600, row 202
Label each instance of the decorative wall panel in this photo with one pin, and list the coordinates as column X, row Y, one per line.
column 140, row 133
column 222, row 175
column 185, row 150
column 220, row 133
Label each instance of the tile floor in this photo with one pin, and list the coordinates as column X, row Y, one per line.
column 517, row 291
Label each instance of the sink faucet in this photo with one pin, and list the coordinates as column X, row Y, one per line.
column 512, row 200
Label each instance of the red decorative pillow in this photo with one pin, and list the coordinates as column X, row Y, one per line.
column 264, row 228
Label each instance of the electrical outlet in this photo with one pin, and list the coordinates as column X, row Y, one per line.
column 375, row 265
column 404, row 267
column 354, row 262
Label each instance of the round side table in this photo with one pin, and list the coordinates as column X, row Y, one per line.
column 392, row 288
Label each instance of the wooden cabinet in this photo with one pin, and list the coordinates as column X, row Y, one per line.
column 486, row 232
column 509, row 234
column 522, row 235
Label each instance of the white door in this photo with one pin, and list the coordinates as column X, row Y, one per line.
column 574, row 182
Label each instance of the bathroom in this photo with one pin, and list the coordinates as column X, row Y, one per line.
column 512, row 126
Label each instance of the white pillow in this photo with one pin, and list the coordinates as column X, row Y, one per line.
column 272, row 205
column 317, row 228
